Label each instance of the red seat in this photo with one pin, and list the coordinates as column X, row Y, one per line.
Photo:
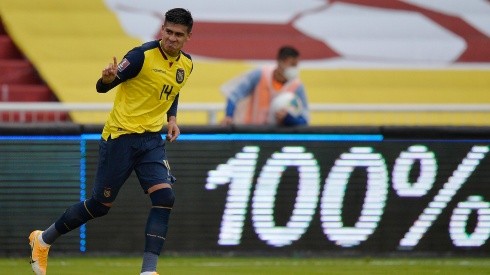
column 8, row 50
column 25, row 93
column 20, row 82
column 33, row 116
column 18, row 71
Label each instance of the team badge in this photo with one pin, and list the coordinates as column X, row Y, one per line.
column 123, row 65
column 107, row 192
column 179, row 76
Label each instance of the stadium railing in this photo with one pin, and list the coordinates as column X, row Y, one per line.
column 212, row 109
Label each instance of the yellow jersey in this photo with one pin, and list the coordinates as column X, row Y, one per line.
column 148, row 84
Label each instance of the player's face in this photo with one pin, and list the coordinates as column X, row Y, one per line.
column 174, row 36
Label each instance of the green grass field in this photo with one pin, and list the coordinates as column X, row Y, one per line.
column 242, row 265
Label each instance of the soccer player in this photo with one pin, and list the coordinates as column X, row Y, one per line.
column 147, row 81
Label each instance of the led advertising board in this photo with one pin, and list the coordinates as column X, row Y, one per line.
column 267, row 193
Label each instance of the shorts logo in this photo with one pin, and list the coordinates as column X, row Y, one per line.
column 179, row 76
column 107, row 192
column 123, row 65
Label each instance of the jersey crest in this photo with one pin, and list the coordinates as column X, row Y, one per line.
column 179, row 75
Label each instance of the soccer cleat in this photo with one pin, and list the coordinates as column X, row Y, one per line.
column 39, row 254
column 149, row 273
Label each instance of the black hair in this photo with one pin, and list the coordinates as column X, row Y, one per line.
column 180, row 16
column 287, row 51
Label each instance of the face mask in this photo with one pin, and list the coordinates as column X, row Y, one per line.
column 291, row 73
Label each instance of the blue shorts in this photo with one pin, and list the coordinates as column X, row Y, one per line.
column 143, row 153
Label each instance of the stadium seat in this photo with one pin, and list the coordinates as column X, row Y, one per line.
column 20, row 82
column 8, row 49
column 18, row 71
column 25, row 93
column 29, row 117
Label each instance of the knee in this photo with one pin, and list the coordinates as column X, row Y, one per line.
column 95, row 208
column 163, row 197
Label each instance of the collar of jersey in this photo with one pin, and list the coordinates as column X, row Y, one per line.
column 165, row 56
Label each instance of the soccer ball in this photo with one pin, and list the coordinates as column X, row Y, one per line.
column 285, row 101
column 288, row 101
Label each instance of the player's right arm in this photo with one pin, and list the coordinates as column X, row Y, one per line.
column 114, row 74
column 241, row 91
column 107, row 80
column 109, row 73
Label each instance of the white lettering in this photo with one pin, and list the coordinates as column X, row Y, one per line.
column 265, row 195
column 334, row 193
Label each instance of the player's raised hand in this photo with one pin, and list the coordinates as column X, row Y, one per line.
column 109, row 73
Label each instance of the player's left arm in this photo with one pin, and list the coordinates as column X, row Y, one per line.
column 303, row 117
column 173, row 130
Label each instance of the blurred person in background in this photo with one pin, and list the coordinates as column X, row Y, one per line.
column 270, row 95
column 148, row 81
